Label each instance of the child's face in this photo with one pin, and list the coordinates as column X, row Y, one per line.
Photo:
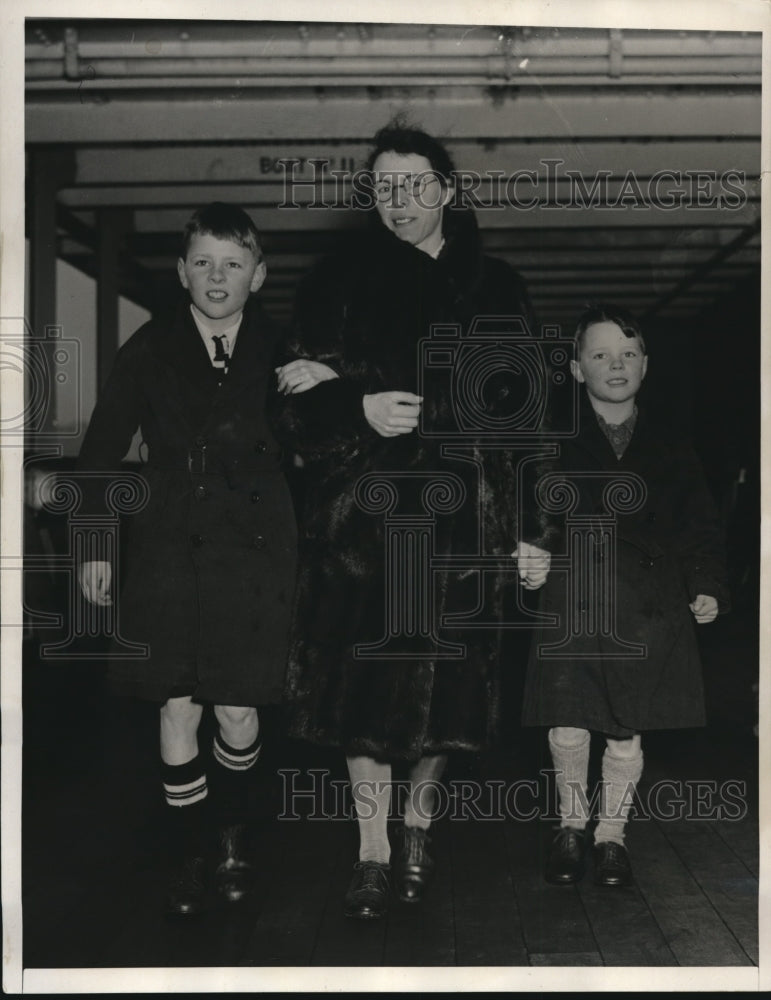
column 611, row 364
column 220, row 275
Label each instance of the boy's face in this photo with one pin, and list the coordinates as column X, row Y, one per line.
column 220, row 275
column 611, row 364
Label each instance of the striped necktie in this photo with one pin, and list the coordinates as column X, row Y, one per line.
column 221, row 356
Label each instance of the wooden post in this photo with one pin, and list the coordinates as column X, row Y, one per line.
column 112, row 226
column 44, row 181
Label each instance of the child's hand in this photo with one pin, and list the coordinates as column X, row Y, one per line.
column 704, row 609
column 532, row 564
column 302, row 375
column 95, row 579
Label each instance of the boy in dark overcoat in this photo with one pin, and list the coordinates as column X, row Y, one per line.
column 668, row 571
column 211, row 559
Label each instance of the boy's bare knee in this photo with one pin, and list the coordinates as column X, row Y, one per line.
column 568, row 736
column 625, row 749
column 181, row 713
column 235, row 717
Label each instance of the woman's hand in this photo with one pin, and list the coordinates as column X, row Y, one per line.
column 392, row 413
column 704, row 609
column 301, row 375
column 532, row 565
column 95, row 579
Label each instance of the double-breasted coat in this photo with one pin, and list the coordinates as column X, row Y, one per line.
column 364, row 314
column 211, row 558
column 668, row 551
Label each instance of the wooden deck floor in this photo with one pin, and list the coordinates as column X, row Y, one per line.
column 93, row 881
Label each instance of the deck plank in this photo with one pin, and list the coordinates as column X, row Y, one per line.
column 742, row 838
column 625, row 930
column 341, row 940
column 285, row 931
column 692, row 927
column 730, row 887
column 487, row 919
column 423, row 934
column 552, row 917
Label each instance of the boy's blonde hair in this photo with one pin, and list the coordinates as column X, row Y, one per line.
column 224, row 222
column 599, row 312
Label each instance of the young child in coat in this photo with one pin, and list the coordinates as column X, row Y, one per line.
column 644, row 673
column 211, row 557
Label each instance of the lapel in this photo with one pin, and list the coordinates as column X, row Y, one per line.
column 184, row 352
column 592, row 439
column 250, row 364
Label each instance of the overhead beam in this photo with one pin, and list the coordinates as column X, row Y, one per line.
column 187, row 40
column 473, row 115
column 260, row 161
column 488, row 193
column 173, row 220
column 703, row 271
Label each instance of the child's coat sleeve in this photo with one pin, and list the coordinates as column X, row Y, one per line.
column 113, row 423
column 700, row 546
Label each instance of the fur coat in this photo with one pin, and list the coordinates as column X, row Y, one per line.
column 351, row 682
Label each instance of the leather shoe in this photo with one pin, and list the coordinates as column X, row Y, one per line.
column 611, row 864
column 565, row 864
column 186, row 893
column 414, row 866
column 367, row 896
column 233, row 875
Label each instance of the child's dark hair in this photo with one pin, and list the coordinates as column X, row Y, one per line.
column 224, row 222
column 400, row 137
column 604, row 312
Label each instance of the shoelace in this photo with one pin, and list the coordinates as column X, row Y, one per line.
column 415, row 846
column 613, row 852
column 372, row 876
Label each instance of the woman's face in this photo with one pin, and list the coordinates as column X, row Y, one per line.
column 411, row 198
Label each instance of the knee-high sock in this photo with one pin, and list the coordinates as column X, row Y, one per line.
column 371, row 786
column 620, row 775
column 231, row 777
column 570, row 754
column 421, row 800
column 185, row 792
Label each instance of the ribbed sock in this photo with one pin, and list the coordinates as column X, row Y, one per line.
column 619, row 781
column 231, row 780
column 371, row 786
column 185, row 790
column 571, row 767
column 421, row 801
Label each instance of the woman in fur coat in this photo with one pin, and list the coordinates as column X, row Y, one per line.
column 372, row 666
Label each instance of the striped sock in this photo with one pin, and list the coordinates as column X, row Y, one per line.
column 185, row 791
column 232, row 779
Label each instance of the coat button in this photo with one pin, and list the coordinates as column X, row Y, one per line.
column 261, row 447
column 255, row 497
column 197, row 540
column 200, row 492
column 200, row 442
column 259, row 541
column 651, row 516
